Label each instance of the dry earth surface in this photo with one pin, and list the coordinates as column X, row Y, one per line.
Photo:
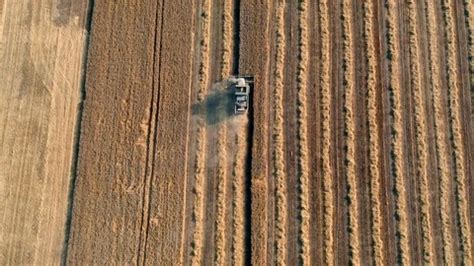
column 357, row 147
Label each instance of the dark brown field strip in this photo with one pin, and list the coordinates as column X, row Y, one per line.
column 113, row 147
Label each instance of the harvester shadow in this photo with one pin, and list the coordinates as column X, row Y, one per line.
column 217, row 106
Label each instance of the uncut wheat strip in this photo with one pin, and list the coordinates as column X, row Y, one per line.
column 455, row 115
column 398, row 133
column 420, row 132
column 226, row 55
column 238, row 185
column 327, row 174
column 227, row 41
column 302, row 120
column 440, row 126
column 349, row 121
column 278, row 139
column 374, row 140
column 200, row 161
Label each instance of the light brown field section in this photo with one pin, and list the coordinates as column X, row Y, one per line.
column 42, row 43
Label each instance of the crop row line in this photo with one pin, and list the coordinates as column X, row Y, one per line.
column 349, row 121
column 454, row 95
column 226, row 58
column 440, row 126
column 420, row 132
column 200, row 161
column 303, row 157
column 278, row 138
column 398, row 133
column 327, row 174
column 374, row 140
column 469, row 12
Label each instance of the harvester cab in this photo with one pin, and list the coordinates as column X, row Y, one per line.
column 241, row 86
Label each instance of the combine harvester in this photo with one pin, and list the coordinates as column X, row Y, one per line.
column 242, row 86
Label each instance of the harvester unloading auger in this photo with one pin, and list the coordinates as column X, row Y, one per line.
column 241, row 86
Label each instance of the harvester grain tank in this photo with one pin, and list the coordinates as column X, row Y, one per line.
column 241, row 86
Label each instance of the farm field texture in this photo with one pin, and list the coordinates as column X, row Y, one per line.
column 41, row 53
column 121, row 145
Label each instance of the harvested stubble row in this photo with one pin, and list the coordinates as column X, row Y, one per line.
column 398, row 132
column 278, row 138
column 421, row 132
column 222, row 153
column 325, row 101
column 303, row 160
column 238, row 185
column 349, row 120
column 469, row 14
column 455, row 115
column 440, row 124
column 200, row 160
column 374, row 140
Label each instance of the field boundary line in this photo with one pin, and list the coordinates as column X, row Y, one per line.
column 77, row 129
